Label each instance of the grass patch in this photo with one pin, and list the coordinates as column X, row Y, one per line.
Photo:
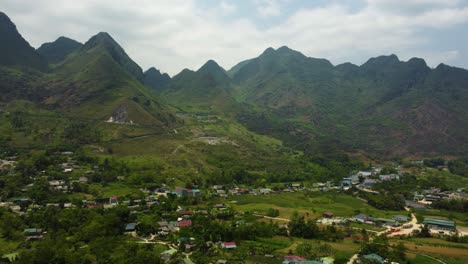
column 312, row 203
column 451, row 253
column 117, row 189
column 7, row 247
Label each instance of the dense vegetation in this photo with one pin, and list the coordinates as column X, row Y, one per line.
column 459, row 166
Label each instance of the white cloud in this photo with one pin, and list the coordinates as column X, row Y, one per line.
column 227, row 8
column 268, row 8
column 176, row 34
column 411, row 6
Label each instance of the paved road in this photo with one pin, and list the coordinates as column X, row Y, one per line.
column 273, row 218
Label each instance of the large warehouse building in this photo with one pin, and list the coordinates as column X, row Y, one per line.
column 440, row 224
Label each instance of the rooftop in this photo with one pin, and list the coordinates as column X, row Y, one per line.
column 441, row 222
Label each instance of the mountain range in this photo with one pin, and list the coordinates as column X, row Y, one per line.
column 384, row 106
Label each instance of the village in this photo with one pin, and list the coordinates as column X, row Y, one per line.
column 181, row 210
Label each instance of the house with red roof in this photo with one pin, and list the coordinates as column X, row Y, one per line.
column 229, row 245
column 328, row 214
column 185, row 223
column 185, row 212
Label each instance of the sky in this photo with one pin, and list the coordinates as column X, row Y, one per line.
column 175, row 34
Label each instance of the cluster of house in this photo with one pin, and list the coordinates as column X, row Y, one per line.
column 70, row 166
column 17, row 205
column 435, row 194
column 396, row 220
column 166, row 227
column 367, row 179
column 20, row 205
column 189, row 245
column 184, row 192
column 225, row 191
column 293, row 259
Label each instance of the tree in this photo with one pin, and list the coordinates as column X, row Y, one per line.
column 40, row 190
column 306, row 250
column 272, row 212
column 425, row 231
column 436, row 162
column 400, row 250
column 10, row 225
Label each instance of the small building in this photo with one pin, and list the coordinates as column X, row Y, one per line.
column 364, row 174
column 296, row 185
column 400, row 218
column 369, row 183
column 196, row 193
column 22, row 201
column 167, row 255
column 180, row 191
column 163, row 223
column 218, row 187
column 83, row 179
column 415, row 205
column 185, row 213
column 113, row 200
column 173, row 224
column 374, row 258
column 219, row 206
column 189, row 248
column 347, row 181
column 328, row 214
column 229, row 245
column 265, row 191
column 440, row 224
column 360, row 218
column 130, row 227
column 389, row 177
column 185, row 223
column 33, row 233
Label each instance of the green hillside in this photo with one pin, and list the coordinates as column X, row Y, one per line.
column 385, row 106
column 100, row 80
column 155, row 79
column 57, row 51
column 207, row 90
